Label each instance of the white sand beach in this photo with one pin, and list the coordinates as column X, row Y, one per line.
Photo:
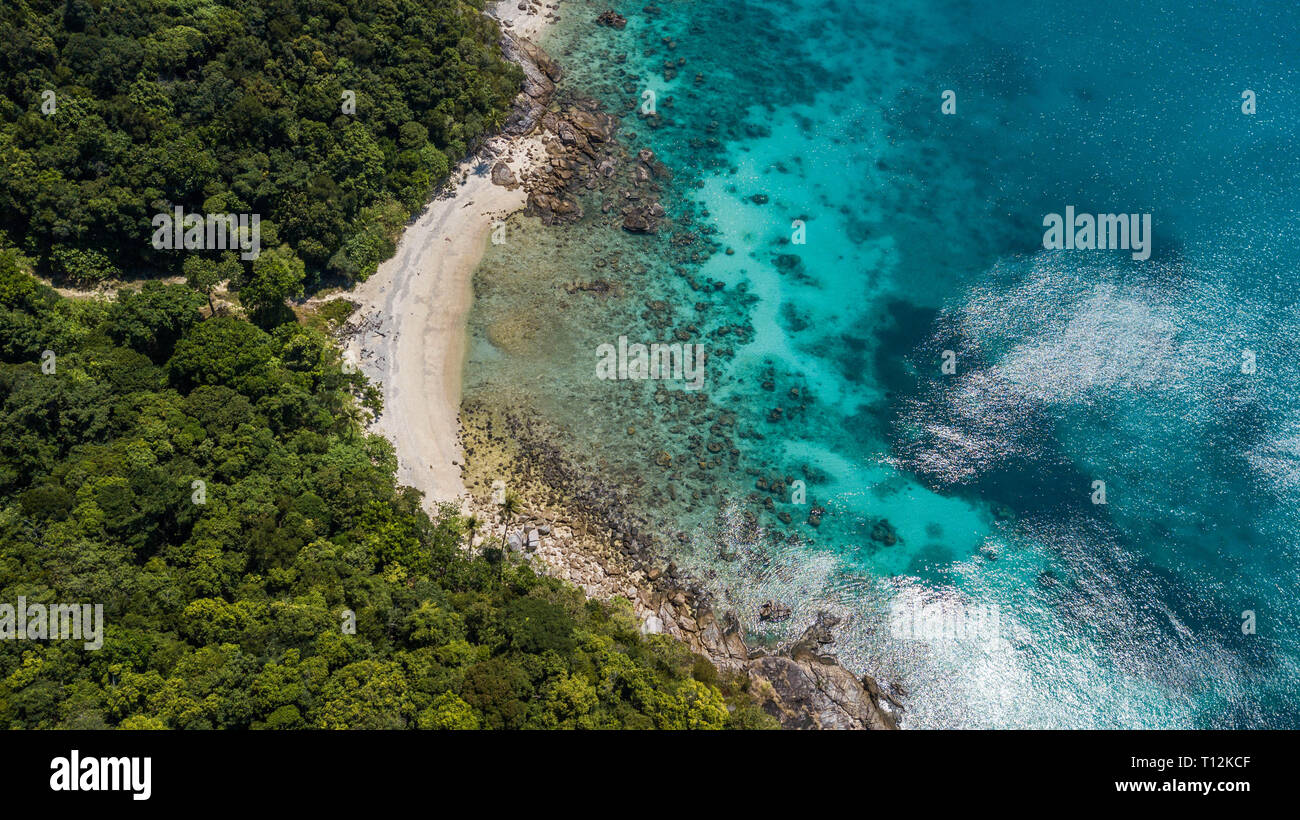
column 523, row 22
column 412, row 313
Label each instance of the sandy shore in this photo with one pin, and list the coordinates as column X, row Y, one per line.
column 521, row 22
column 411, row 336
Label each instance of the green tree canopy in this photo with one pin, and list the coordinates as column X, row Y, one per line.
column 229, row 512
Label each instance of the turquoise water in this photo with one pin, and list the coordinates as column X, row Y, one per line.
column 922, row 234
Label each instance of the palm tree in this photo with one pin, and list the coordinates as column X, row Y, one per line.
column 510, row 506
column 472, row 523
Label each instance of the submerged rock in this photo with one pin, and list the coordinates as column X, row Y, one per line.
column 597, row 286
column 514, row 333
column 770, row 611
column 1001, row 512
column 639, row 220
column 884, row 533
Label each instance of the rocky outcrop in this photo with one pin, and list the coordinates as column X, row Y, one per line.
column 771, row 611
column 541, row 73
column 585, row 157
column 583, row 154
column 553, row 208
column 805, row 689
column 803, row 686
column 612, row 19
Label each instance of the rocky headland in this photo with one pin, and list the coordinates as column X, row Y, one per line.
column 573, row 526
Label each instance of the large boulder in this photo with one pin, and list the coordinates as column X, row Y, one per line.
column 639, row 220
column 597, row 127
column 808, row 693
column 553, row 209
column 503, row 176
column 804, row 689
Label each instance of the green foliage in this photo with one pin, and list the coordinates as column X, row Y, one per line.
column 17, row 289
column 204, row 274
column 82, row 266
column 536, row 626
column 335, row 313
column 449, row 712
column 235, row 106
column 152, row 320
column 229, row 613
column 277, row 275
column 224, row 351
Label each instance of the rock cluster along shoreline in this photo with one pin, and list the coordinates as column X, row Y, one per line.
column 565, row 532
column 583, row 155
column 802, row 686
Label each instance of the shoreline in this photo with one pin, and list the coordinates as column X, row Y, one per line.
column 409, row 334
column 409, row 331
column 801, row 684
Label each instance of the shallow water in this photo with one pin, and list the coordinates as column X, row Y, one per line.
column 923, row 235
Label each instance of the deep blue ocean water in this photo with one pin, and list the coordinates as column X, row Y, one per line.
column 923, row 234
